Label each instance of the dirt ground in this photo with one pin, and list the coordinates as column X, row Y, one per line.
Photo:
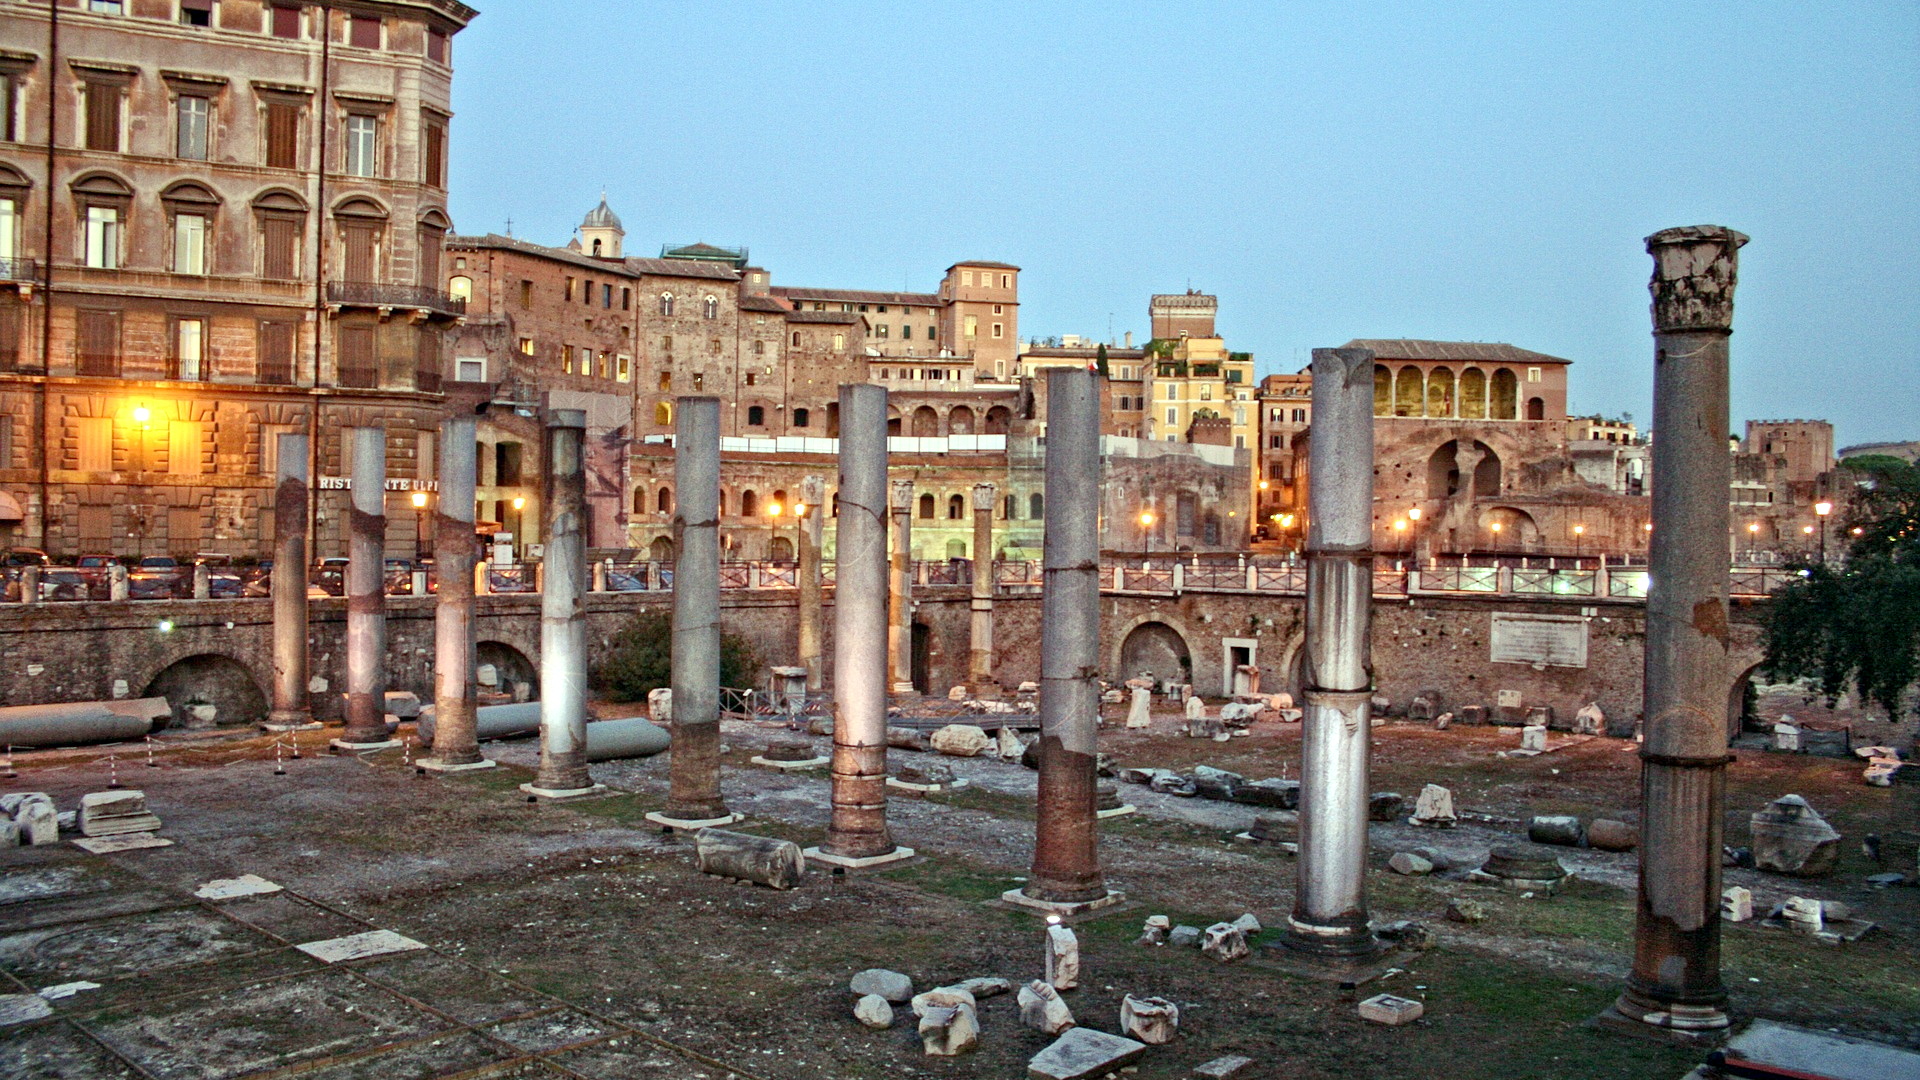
column 575, row 940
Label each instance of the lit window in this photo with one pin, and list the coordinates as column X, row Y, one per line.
column 713, row 307
column 666, row 304
column 362, row 145
column 972, row 326
column 189, row 348
column 191, row 115
column 839, row 342
column 189, row 244
column 103, row 237
column 1533, row 374
column 623, row 368
column 460, row 287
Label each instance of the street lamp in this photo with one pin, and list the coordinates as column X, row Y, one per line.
column 1821, row 509
column 1146, row 537
column 419, row 524
column 1496, row 527
column 1579, row 533
column 1400, row 527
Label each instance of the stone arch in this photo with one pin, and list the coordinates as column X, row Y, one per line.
column 926, row 422
column 1409, row 392
column 1503, row 398
column 223, row 682
column 1443, row 471
column 780, row 549
column 1440, row 399
column 1382, row 390
column 1157, row 648
column 661, row 550
column 749, row 503
column 510, row 666
column 1518, row 531
column 960, row 420
column 1473, row 394
column 663, row 502
column 956, row 507
column 999, row 420
column 1536, row 408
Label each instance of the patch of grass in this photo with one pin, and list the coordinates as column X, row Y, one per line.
column 951, row 877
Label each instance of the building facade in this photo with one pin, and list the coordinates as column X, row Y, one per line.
column 219, row 223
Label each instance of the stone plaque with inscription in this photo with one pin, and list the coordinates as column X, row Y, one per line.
column 1552, row 640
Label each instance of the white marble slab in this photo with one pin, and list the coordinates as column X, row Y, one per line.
column 235, row 888
column 359, row 946
column 105, row 845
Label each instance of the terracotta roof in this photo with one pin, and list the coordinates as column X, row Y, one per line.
column 1490, row 352
column 683, row 268
column 857, row 296
column 1084, row 352
column 525, row 247
column 986, row 263
column 755, row 302
column 847, row 318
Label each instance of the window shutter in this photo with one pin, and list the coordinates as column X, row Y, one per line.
column 276, row 353
column 283, row 134
column 99, row 343
column 103, row 117
column 280, row 236
column 359, row 254
column 356, row 353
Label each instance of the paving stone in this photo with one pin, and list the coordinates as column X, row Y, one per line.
column 629, row 1058
column 121, row 946
column 23, row 1008
column 548, row 1031
column 1083, row 1052
column 358, row 946
column 293, row 918
column 234, row 888
column 1390, row 1010
column 235, row 1032
column 66, row 990
column 141, row 990
column 132, row 841
column 57, row 1052
column 1222, row 1068
column 462, row 991
column 39, row 883
column 459, row 1052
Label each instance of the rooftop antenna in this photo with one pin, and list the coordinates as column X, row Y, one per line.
column 509, row 227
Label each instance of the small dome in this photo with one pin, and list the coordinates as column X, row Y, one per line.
column 602, row 217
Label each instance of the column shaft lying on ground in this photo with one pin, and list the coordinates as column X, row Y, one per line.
column 367, row 590
column 455, row 741
column 694, row 788
column 563, row 618
column 1675, row 983
column 1066, row 857
column 1330, row 908
column 289, row 584
column 858, row 829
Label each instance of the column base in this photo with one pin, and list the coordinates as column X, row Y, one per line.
column 436, row 765
column 848, row 862
column 342, row 746
column 1690, row 1026
column 903, row 688
column 788, row 766
column 692, row 824
column 927, row 789
column 1018, row 898
column 561, row 794
column 290, row 720
column 1333, row 942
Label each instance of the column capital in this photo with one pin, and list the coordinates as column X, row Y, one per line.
column 983, row 496
column 1695, row 268
column 901, row 492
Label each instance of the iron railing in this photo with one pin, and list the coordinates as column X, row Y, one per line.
column 384, row 295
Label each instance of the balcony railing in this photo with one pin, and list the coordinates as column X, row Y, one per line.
column 380, row 294
column 19, row 270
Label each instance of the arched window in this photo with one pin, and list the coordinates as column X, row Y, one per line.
column 596, row 247
column 749, row 504
column 960, row 421
column 1409, row 392
column 1036, row 506
column 713, row 307
column 1504, row 402
column 1536, row 409
column 998, row 419
column 662, row 414
column 926, row 422
column 1440, row 392
column 756, row 416
column 1473, row 394
column 666, row 304
column 800, row 417
column 639, row 500
column 663, row 502
column 926, row 507
column 796, row 339
column 1382, row 390
column 956, row 507
column 460, row 287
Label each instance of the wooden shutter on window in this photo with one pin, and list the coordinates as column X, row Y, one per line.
column 99, row 344
column 358, row 253
column 430, row 242
column 283, row 136
column 281, row 242
column 276, row 353
column 12, row 323
column 436, row 156
column 356, row 353
column 103, row 116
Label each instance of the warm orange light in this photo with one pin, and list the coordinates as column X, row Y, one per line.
column 1579, row 530
column 1414, row 513
column 1263, row 485
column 773, row 509
column 1496, row 526
column 1648, row 526
column 799, row 509
column 1807, row 529
column 1754, row 528
column 1286, row 521
column 1400, row 525
column 419, row 500
column 519, row 502
column 141, row 414
column 1146, row 517
column 1823, row 508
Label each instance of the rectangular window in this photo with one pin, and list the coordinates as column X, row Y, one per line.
column 526, row 293
column 103, row 237
column 99, row 343
column 280, row 248
column 1006, row 281
column 713, row 346
column 360, row 259
column 283, row 136
column 759, row 348
column 434, row 159
column 190, row 117
column 275, row 348
column 13, row 319
column 1533, row 374
column 906, row 333
column 606, row 297
column 93, row 439
column 363, row 32
column 880, row 330
column 286, row 21
column 1173, row 416
column 997, row 310
column 425, row 459
column 105, row 7
column 971, row 326
column 9, row 233
column 183, row 447
column 566, row 359
column 753, row 378
column 999, row 330
column 361, row 145
column 666, row 380
column 569, row 291
column 437, row 46
column 356, row 352
column 9, row 108
column 623, row 368
column 196, row 12
column 966, row 277
column 189, row 349
column 626, row 299
column 103, row 117
column 471, row 369
column 189, row 244
column 6, row 442
column 526, row 346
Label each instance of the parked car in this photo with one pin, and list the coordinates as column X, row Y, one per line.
column 64, row 583
column 258, row 580
column 25, row 556
column 330, row 577
column 155, row 577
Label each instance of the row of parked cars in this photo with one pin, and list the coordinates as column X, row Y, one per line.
column 161, row 577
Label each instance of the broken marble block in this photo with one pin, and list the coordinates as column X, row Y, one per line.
column 1152, row 1020
column 1533, row 737
column 1063, row 957
column 1522, row 867
column 1082, row 1053
column 1155, row 931
column 943, row 997
column 1880, row 771
column 1168, row 783
column 1205, row 727
column 1434, row 808
column 950, row 1030
column 1181, row 937
column 1248, row 924
column 1196, row 709
column 1590, row 720
column 1789, row 837
column 1222, row 1068
column 1610, row 835
column 984, row 986
column 873, row 1011
column 788, row 750
column 1391, row 1010
column 1471, row 714
column 1042, row 1009
column 960, row 740
column 1736, row 904
column 1274, row 828
column 1423, row 708
column 35, row 815
column 404, row 704
column 1385, row 805
column 1462, row 909
column 1007, row 744
column 1274, row 792
column 1560, row 830
column 1786, row 737
column 660, row 705
column 1217, row 784
column 931, row 773
column 1139, row 709
column 891, row 985
column 1406, row 862
column 112, row 813
column 906, row 738
column 1803, row 914
column 1225, row 942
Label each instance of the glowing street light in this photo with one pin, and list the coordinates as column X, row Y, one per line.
column 1146, row 536
column 1821, row 509
column 1579, row 535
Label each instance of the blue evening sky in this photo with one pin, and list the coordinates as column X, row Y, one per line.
column 1449, row 170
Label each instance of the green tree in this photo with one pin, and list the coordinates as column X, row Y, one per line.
column 1100, row 360
column 640, row 658
column 1857, row 624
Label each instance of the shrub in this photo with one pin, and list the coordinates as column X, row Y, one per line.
column 640, row 659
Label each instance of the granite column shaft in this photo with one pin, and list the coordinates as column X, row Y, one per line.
column 455, row 739
column 366, row 589
column 563, row 616
column 812, row 606
column 900, row 591
column 980, row 655
column 694, row 771
column 290, row 502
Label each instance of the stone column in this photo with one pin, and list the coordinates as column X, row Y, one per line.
column 813, row 490
column 455, row 739
column 857, row 834
column 980, row 658
column 563, row 615
column 1066, row 859
column 1330, row 908
column 367, row 593
column 900, row 594
column 291, row 709
column 694, row 770
column 1675, row 983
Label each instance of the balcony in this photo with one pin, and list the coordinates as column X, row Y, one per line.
column 376, row 294
column 19, row 270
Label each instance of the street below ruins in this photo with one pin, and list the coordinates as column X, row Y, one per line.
column 575, row 940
